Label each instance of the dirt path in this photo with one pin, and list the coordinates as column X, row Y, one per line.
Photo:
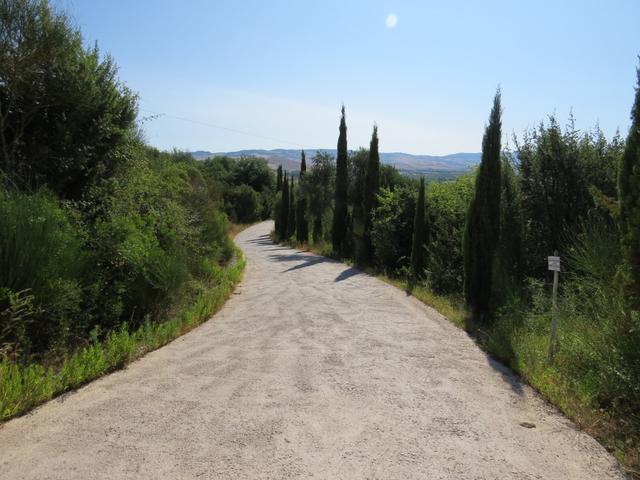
column 311, row 370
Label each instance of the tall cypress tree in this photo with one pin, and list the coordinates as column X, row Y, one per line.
column 277, row 208
column 279, row 178
column 629, row 192
column 284, row 209
column 482, row 229
column 291, row 223
column 303, row 163
column 302, row 226
column 339, row 227
column 372, row 185
column 419, row 235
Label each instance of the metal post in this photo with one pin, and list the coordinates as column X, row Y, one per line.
column 554, row 316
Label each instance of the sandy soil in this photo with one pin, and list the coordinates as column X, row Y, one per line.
column 311, row 369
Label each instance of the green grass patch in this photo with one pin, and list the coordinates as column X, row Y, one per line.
column 22, row 387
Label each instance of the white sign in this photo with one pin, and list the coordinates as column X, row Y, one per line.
column 554, row 264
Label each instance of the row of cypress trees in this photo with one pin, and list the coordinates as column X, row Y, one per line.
column 290, row 215
column 341, row 220
column 489, row 232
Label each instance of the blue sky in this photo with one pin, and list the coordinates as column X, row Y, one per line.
column 278, row 71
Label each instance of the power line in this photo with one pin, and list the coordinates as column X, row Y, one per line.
column 220, row 127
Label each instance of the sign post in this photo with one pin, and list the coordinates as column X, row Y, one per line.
column 554, row 266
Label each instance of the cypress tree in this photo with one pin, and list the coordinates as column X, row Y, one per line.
column 284, row 209
column 482, row 228
column 629, row 193
column 372, row 185
column 339, row 227
column 302, row 226
column 303, row 164
column 291, row 223
column 277, row 208
column 419, row 235
column 279, row 179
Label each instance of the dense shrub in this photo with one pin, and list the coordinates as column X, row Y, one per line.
column 392, row 228
column 243, row 204
column 447, row 208
column 42, row 263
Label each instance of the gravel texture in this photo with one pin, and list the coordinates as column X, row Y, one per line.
column 311, row 369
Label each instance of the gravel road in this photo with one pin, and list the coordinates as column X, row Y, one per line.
column 311, row 369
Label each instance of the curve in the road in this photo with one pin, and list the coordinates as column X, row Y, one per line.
column 311, row 369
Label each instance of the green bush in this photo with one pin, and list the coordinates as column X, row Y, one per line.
column 42, row 263
column 392, row 227
column 243, row 204
column 447, row 209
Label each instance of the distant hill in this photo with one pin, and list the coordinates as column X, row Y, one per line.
column 445, row 166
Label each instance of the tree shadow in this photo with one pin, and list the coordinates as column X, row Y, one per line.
column 503, row 349
column 508, row 375
column 261, row 240
column 307, row 260
column 347, row 273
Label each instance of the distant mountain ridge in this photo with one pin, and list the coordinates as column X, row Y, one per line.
column 431, row 165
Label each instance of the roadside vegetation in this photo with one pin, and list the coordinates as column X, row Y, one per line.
column 109, row 248
column 476, row 249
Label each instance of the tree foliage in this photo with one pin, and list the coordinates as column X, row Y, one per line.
column 419, row 235
column 483, row 219
column 318, row 188
column 629, row 187
column 63, row 113
column 340, row 209
column 370, row 196
column 302, row 225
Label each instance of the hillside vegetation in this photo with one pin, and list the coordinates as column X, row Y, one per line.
column 108, row 247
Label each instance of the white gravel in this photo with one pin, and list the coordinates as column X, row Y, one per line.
column 311, row 369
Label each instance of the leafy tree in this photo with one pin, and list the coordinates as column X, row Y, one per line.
column 629, row 188
column 483, row 219
column 291, row 222
column 63, row 112
column 554, row 189
column 372, row 185
column 340, row 209
column 243, row 204
column 254, row 172
column 419, row 235
column 284, row 209
column 391, row 178
column 509, row 262
column 302, row 226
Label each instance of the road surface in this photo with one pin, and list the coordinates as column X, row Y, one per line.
column 312, row 369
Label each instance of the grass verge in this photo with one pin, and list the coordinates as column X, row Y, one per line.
column 23, row 387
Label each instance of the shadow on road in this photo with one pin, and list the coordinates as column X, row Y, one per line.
column 507, row 375
column 348, row 273
column 309, row 261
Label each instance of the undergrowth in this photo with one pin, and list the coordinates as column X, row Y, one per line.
column 23, row 387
